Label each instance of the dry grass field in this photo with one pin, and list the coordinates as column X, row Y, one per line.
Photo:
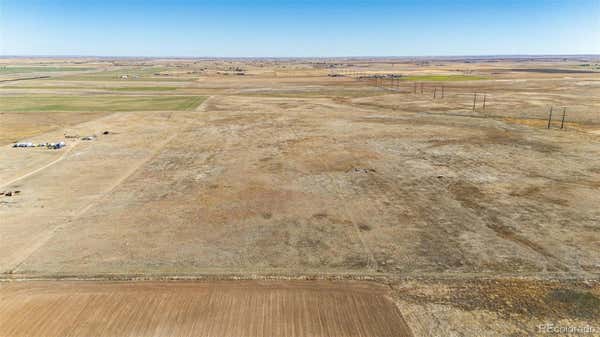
column 256, row 169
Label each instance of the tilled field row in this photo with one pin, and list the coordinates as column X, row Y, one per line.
column 220, row 308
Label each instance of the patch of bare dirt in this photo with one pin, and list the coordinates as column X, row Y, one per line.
column 219, row 308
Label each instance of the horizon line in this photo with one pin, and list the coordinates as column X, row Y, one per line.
column 303, row 57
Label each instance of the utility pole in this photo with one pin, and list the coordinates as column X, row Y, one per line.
column 421, row 88
column 562, row 123
column 550, row 118
column 474, row 100
column 434, row 92
column 484, row 102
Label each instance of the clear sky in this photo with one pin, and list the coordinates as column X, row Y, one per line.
column 299, row 28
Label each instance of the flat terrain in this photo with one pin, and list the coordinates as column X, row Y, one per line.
column 246, row 308
column 40, row 103
column 391, row 170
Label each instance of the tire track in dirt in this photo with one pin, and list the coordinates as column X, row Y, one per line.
column 337, row 191
column 51, row 232
column 61, row 157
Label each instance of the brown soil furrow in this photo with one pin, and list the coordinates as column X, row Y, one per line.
column 221, row 308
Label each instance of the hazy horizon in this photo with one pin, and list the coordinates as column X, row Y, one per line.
column 205, row 57
column 287, row 29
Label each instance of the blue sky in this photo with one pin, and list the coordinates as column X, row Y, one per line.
column 299, row 28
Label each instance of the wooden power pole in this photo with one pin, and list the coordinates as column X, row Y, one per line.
column 484, row 102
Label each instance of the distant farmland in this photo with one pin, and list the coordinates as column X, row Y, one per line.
column 443, row 78
column 32, row 103
column 20, row 70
